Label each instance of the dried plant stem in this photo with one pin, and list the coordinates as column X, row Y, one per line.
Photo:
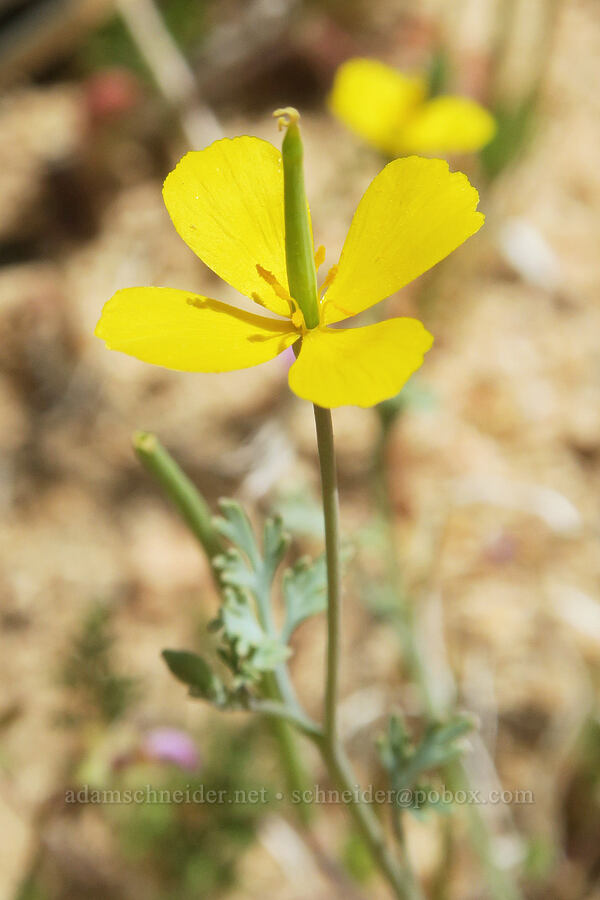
column 170, row 70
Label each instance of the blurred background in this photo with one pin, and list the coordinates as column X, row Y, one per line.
column 471, row 502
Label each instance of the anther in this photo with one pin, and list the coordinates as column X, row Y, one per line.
column 273, row 283
column 297, row 319
column 319, row 256
column 281, row 293
column 329, row 278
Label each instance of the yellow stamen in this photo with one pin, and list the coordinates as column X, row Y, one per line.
column 286, row 116
column 329, row 278
column 273, row 283
column 297, row 319
column 319, row 256
column 282, row 294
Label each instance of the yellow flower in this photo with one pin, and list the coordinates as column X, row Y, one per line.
column 227, row 203
column 391, row 111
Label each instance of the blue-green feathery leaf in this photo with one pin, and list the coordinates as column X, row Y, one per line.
column 406, row 761
column 304, row 593
column 235, row 526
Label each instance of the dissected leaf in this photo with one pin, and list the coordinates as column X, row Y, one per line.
column 395, row 748
column 235, row 526
column 254, row 649
column 248, row 574
column 235, row 571
column 441, row 742
column 275, row 544
column 240, row 623
column 269, row 654
column 304, row 593
column 439, row 745
column 407, row 762
column 251, row 645
column 250, row 569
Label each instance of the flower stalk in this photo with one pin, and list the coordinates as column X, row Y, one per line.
column 400, row 878
column 302, row 278
column 324, row 428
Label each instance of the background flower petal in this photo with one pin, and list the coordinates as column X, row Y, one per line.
column 447, row 125
column 413, row 214
column 373, row 100
column 180, row 330
column 226, row 202
column 358, row 366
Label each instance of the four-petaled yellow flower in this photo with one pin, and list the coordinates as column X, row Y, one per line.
column 227, row 203
column 392, row 112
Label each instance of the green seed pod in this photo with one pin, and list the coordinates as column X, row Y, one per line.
column 299, row 250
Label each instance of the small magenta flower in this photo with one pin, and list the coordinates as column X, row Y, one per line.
column 227, row 203
column 170, row 745
column 392, row 112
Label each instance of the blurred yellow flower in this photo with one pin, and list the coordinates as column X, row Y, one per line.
column 391, row 111
column 227, row 204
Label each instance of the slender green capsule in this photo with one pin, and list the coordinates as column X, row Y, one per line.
column 299, row 250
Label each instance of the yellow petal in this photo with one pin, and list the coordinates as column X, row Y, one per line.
column 447, row 125
column 358, row 366
column 183, row 331
column 413, row 214
column 373, row 100
column 226, row 202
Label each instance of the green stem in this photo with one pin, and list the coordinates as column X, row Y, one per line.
column 325, row 444
column 303, row 288
column 193, row 509
column 294, row 771
column 400, row 878
column 278, row 709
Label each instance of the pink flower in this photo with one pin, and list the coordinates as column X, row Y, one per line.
column 171, row 745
